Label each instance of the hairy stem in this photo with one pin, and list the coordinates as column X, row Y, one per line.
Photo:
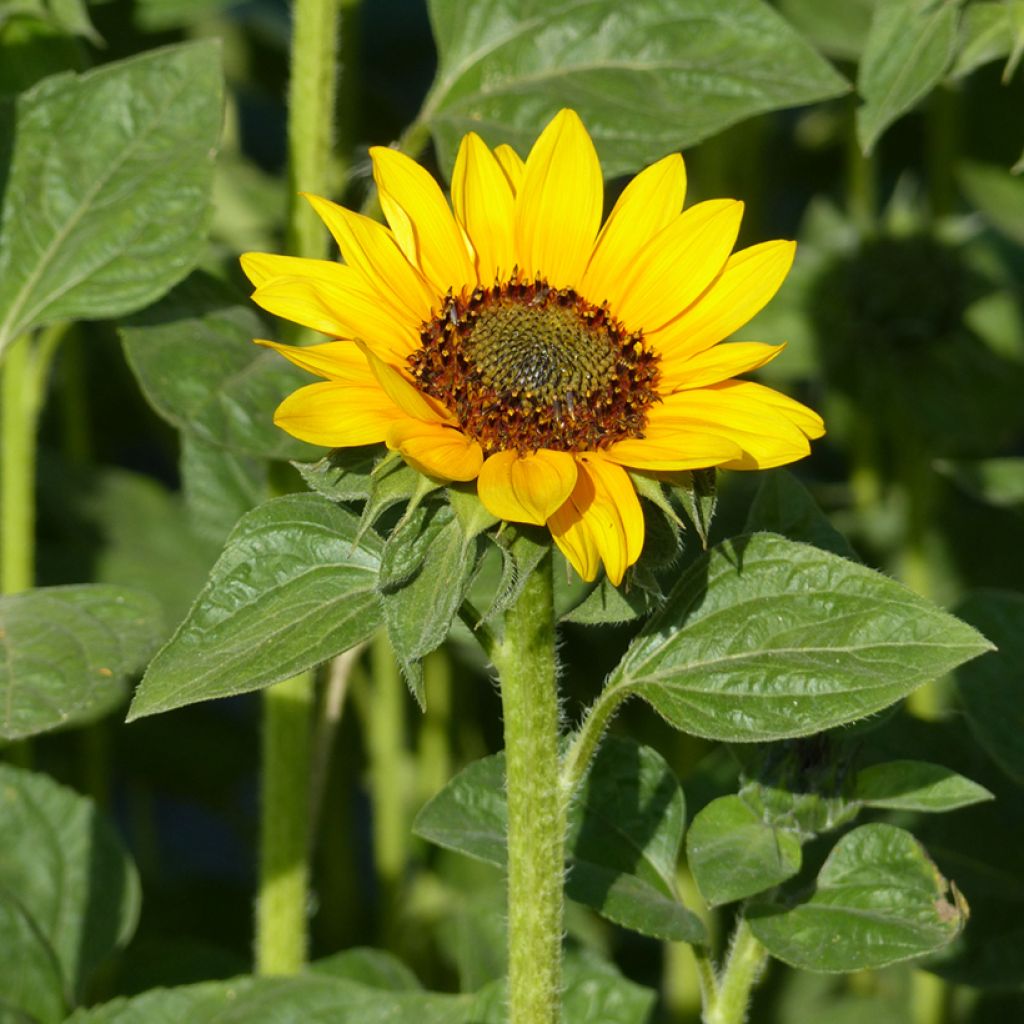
column 742, row 970
column 525, row 660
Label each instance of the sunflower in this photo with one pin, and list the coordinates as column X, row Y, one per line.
column 513, row 340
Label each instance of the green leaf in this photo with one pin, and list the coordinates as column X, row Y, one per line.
column 193, row 357
column 311, row 998
column 734, row 852
column 66, row 653
column 989, row 30
column 916, row 786
column 473, row 517
column 220, row 486
column 997, row 194
column 427, row 568
column 697, row 492
column 522, row 547
column 30, row 976
column 394, row 482
column 343, row 474
column 607, row 603
column 68, row 872
column 765, row 638
column 783, row 505
column 107, row 200
column 909, row 47
column 375, row 968
column 838, row 29
column 878, row 900
column 593, row 992
column 623, row 842
column 646, row 78
column 292, row 589
column 991, row 689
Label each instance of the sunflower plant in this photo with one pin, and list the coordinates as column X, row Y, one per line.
column 519, row 412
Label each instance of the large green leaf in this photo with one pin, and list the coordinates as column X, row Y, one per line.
column 838, row 29
column 998, row 195
column 107, row 200
column 623, row 842
column 909, row 47
column 646, row 77
column 878, row 900
column 916, row 786
column 765, row 638
column 31, row 986
column 293, row 588
column 992, row 688
column 66, row 653
column 990, row 30
column 193, row 356
column 64, row 866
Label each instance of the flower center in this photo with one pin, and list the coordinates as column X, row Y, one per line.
column 526, row 366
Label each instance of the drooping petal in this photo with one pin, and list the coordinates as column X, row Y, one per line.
column 718, row 363
column 558, row 207
column 602, row 513
column 403, row 392
column 437, row 450
column 749, row 279
column 668, row 446
column 652, row 200
column 334, row 360
column 526, row 488
column 337, row 415
column 678, row 264
column 484, row 204
column 373, row 251
column 512, row 164
column 423, row 225
column 342, row 310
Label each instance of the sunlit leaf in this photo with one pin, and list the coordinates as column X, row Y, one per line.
column 916, row 786
column 646, row 78
column 66, row 653
column 107, row 200
column 765, row 638
column 293, row 588
column 878, row 899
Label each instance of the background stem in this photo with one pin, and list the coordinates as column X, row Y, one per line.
column 281, row 925
column 536, row 817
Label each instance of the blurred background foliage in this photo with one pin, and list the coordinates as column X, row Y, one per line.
column 904, row 316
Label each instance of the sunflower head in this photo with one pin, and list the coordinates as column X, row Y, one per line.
column 513, row 340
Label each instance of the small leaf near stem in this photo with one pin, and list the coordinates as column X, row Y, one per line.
column 525, row 661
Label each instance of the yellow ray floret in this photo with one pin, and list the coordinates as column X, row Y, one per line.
column 511, row 339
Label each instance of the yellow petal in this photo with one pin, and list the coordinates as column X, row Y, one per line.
column 669, row 447
column 263, row 267
column 436, row 450
column 422, row 223
column 342, row 309
column 648, row 203
column 558, row 208
column 603, row 512
column 512, row 164
column 718, row 363
column 483, row 202
column 678, row 264
column 750, row 278
column 335, row 360
column 772, row 430
column 373, row 251
column 337, row 415
column 526, row 488
column 403, row 392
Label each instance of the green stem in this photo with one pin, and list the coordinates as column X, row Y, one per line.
column 525, row 661
column 747, row 958
column 433, row 758
column 281, row 924
column 384, row 723
column 584, row 743
column 18, row 466
column 311, row 97
column 861, row 182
